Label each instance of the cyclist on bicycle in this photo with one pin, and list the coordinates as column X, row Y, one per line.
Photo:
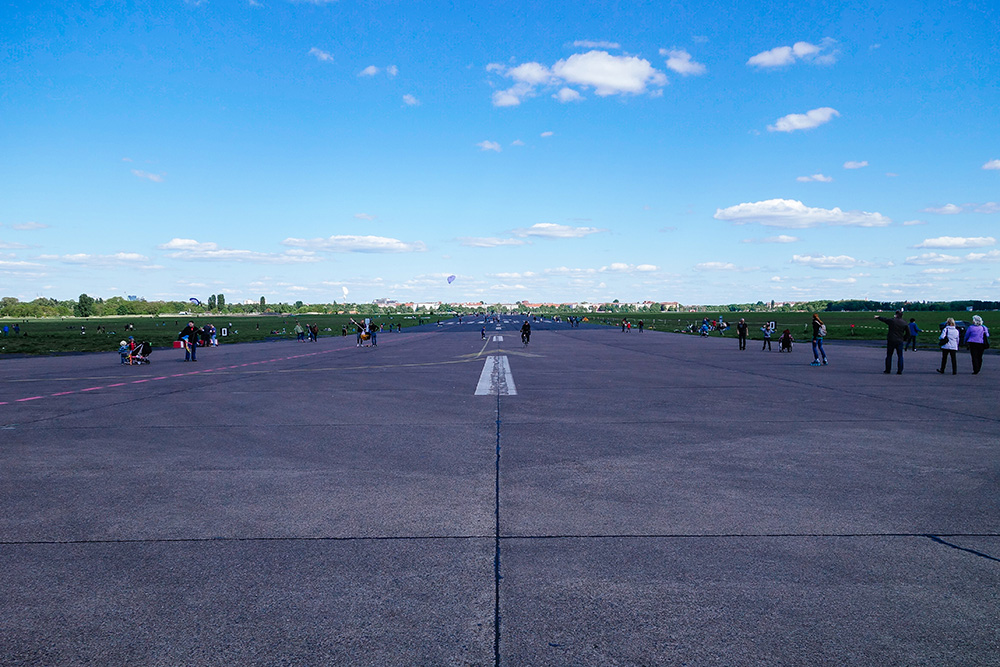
column 525, row 332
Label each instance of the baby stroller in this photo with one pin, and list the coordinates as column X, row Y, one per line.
column 785, row 342
column 140, row 355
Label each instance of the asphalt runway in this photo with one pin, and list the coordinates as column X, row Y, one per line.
column 604, row 499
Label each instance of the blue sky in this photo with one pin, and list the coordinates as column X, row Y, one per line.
column 347, row 150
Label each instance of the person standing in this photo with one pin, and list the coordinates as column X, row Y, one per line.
column 741, row 332
column 977, row 339
column 819, row 333
column 189, row 335
column 914, row 330
column 300, row 333
column 767, row 337
column 895, row 340
column 949, row 345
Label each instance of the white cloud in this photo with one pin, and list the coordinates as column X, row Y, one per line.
column 568, row 95
column 120, row 258
column 321, row 55
column 793, row 214
column 156, row 178
column 11, row 246
column 551, row 230
column 534, row 74
column 680, row 61
column 716, row 266
column 932, row 258
column 776, row 57
column 28, row 226
column 364, row 216
column 992, row 164
column 605, row 73
column 622, row 267
column 954, row 242
column 351, row 243
column 410, row 100
column 587, row 44
column 947, row 209
column 608, row 74
column 806, row 121
column 991, row 256
column 546, row 134
column 781, row 238
column 827, row 261
column 912, row 223
column 938, row 272
column 489, row 242
column 371, row 70
column 988, row 207
column 851, row 164
column 779, row 56
column 190, row 249
column 517, row 142
column 489, row 146
column 392, row 70
column 815, row 177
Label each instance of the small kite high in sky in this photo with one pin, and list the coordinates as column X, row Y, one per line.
column 451, row 279
column 345, row 291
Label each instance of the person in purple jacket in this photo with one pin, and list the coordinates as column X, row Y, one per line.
column 977, row 338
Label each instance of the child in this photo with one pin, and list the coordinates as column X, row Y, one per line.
column 124, row 351
column 767, row 337
column 785, row 341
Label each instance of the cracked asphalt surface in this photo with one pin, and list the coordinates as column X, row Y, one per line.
column 644, row 499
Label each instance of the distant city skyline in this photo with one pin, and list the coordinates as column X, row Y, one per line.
column 322, row 151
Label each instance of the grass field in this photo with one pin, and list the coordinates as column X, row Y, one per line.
column 840, row 326
column 55, row 336
column 63, row 335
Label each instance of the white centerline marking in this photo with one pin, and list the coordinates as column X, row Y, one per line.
column 496, row 378
column 498, row 339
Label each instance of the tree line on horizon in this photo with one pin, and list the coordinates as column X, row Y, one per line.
column 87, row 306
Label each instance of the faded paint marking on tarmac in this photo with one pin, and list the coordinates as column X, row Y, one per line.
column 496, row 378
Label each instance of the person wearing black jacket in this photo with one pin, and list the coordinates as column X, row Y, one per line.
column 741, row 331
column 895, row 340
column 189, row 335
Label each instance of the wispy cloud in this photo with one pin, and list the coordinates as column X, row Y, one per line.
column 828, row 261
column 955, row 242
column 804, row 121
column 820, row 178
column 793, row 214
column 321, row 55
column 156, row 178
column 371, row 70
column 364, row 216
column 410, row 100
column 992, row 164
column 940, row 258
column 851, row 164
column 549, row 230
column 781, row 238
column 359, row 244
column 192, row 250
column 589, row 44
column 489, row 146
column 489, row 242
column 947, row 209
column 28, row 226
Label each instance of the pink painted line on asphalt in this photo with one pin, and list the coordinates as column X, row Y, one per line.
column 62, row 393
column 30, row 398
column 162, row 377
column 117, row 384
column 139, row 381
column 92, row 388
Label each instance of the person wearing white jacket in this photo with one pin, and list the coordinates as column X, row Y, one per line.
column 949, row 345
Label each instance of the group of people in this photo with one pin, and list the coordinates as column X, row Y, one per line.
column 627, row 325
column 310, row 331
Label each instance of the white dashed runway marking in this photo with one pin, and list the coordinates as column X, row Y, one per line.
column 496, row 378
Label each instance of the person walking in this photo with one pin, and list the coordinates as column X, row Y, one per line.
column 741, row 332
column 895, row 340
column 767, row 337
column 914, row 330
column 977, row 339
column 949, row 345
column 819, row 333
